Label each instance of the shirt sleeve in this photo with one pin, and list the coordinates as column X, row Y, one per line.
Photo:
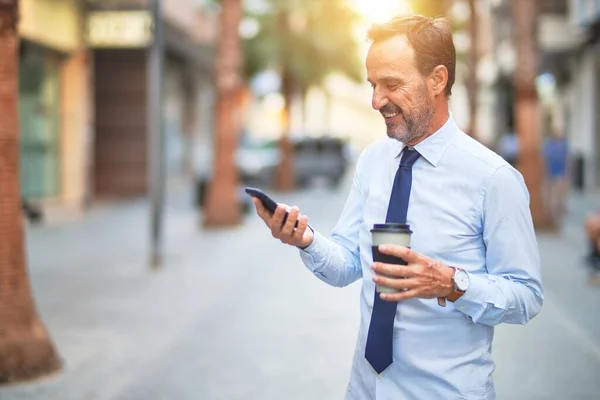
column 336, row 260
column 511, row 292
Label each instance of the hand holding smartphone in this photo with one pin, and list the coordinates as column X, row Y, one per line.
column 267, row 202
column 301, row 235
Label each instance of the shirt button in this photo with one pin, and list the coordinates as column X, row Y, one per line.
column 461, row 307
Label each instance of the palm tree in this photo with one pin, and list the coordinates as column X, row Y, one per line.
column 440, row 8
column 472, row 87
column 305, row 41
column 26, row 350
column 223, row 207
column 526, row 107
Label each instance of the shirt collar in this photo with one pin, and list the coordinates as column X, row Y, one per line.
column 434, row 146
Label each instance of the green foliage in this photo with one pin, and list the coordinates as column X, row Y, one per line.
column 429, row 8
column 309, row 39
column 440, row 8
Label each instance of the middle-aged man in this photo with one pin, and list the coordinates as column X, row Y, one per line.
column 473, row 243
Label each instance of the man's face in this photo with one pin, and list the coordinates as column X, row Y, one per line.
column 400, row 92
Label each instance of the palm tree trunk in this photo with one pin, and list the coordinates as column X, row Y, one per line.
column 223, row 206
column 304, row 99
column 26, row 350
column 526, row 107
column 285, row 174
column 472, row 78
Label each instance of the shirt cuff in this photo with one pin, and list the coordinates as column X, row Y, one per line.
column 476, row 298
column 315, row 250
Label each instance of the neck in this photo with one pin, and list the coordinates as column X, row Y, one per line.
column 440, row 117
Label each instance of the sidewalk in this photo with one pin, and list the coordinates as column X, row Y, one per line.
column 113, row 320
column 235, row 315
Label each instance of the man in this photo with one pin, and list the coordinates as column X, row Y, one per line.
column 508, row 147
column 469, row 212
column 556, row 154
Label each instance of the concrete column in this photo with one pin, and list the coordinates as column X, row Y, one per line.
column 583, row 117
column 76, row 128
column 190, row 122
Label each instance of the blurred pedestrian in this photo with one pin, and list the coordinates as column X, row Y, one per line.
column 473, row 261
column 556, row 155
column 508, row 148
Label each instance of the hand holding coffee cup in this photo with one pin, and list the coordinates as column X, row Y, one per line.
column 400, row 273
column 394, row 234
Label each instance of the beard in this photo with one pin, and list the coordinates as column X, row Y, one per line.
column 414, row 123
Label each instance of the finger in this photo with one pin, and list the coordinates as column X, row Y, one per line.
column 277, row 219
column 394, row 270
column 402, row 252
column 396, row 283
column 299, row 232
column 404, row 295
column 257, row 204
column 275, row 223
column 288, row 228
column 261, row 210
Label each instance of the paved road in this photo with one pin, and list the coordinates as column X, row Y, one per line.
column 235, row 315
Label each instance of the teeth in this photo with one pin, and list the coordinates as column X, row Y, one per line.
column 390, row 115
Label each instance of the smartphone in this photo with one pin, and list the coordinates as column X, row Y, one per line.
column 267, row 202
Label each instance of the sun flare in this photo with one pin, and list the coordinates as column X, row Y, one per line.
column 378, row 11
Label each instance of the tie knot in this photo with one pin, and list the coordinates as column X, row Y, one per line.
column 409, row 156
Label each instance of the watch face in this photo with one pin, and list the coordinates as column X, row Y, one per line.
column 461, row 279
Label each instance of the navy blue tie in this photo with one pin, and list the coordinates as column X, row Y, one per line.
column 378, row 350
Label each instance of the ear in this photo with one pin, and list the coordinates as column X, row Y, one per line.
column 439, row 78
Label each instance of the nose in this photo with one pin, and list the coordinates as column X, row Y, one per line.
column 379, row 99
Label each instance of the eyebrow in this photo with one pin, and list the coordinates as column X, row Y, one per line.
column 387, row 79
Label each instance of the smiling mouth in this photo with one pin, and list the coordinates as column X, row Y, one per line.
column 391, row 117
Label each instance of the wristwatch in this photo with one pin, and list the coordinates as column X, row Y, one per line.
column 461, row 281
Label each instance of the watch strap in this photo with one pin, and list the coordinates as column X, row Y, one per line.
column 456, row 294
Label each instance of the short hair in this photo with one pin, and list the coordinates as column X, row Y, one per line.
column 430, row 38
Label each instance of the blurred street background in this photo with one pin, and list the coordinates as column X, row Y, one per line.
column 141, row 121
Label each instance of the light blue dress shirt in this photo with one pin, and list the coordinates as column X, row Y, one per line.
column 468, row 208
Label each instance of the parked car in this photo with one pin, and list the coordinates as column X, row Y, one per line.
column 323, row 157
column 256, row 162
column 314, row 158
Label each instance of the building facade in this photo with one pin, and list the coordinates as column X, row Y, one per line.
column 84, row 96
column 568, row 83
column 53, row 101
column 121, row 96
column 583, row 101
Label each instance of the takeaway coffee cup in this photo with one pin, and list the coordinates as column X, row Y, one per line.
column 397, row 234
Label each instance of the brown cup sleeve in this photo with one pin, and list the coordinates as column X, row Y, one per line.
column 385, row 258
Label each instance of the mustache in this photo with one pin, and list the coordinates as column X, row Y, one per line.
column 390, row 109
